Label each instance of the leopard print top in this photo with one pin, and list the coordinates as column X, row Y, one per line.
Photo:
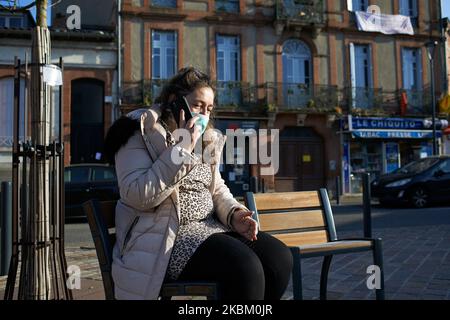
column 197, row 218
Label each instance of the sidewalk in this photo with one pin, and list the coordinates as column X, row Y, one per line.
column 416, row 260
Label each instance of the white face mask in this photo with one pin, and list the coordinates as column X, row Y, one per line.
column 202, row 122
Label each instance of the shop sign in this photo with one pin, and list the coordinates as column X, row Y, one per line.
column 386, row 123
column 395, row 134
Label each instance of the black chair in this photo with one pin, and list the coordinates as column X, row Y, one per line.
column 304, row 222
column 101, row 219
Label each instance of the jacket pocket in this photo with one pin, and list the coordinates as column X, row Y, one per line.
column 128, row 235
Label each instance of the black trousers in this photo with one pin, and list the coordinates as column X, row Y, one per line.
column 244, row 270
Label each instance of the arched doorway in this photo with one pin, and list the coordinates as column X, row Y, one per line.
column 301, row 160
column 297, row 71
column 87, row 120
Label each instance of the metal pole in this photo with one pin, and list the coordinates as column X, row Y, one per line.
column 254, row 184
column 338, row 190
column 433, row 102
column 6, row 234
column 367, row 213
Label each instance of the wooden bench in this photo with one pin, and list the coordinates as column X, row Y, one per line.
column 304, row 222
column 101, row 219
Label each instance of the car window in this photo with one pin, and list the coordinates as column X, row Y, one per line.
column 418, row 166
column 444, row 166
column 76, row 175
column 104, row 174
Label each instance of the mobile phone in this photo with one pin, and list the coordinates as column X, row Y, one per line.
column 181, row 104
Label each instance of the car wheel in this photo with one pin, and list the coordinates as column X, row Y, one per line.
column 419, row 197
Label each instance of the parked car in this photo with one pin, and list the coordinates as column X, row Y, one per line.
column 418, row 183
column 88, row 181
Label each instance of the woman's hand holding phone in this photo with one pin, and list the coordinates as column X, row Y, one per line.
column 194, row 130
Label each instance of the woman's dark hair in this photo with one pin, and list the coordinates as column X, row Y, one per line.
column 118, row 135
column 183, row 83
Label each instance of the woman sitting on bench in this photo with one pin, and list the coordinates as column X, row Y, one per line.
column 176, row 219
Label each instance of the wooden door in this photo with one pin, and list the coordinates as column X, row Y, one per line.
column 301, row 161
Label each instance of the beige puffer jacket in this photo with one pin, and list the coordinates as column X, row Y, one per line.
column 147, row 214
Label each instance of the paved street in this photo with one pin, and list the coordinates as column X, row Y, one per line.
column 416, row 256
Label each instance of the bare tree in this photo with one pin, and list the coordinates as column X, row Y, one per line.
column 35, row 275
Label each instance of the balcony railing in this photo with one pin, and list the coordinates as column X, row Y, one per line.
column 229, row 94
column 376, row 101
column 142, row 92
column 235, row 94
column 303, row 12
column 296, row 96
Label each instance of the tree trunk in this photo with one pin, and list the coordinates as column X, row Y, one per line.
column 36, row 273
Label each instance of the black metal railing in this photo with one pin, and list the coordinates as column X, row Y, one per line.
column 321, row 98
column 376, row 101
column 301, row 11
column 229, row 94
column 235, row 94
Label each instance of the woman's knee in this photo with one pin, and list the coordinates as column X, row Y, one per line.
column 274, row 252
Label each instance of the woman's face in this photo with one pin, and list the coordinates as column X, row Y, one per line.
column 201, row 101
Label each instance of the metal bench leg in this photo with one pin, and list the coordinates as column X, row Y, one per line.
column 324, row 276
column 378, row 261
column 297, row 274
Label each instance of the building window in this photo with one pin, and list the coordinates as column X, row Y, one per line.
column 164, row 3
column 228, row 58
column 164, row 54
column 357, row 5
column 11, row 22
column 297, row 70
column 361, row 76
column 7, row 111
column 412, row 81
column 409, row 8
column 229, row 92
column 227, row 5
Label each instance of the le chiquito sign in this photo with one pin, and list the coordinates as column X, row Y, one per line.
column 391, row 128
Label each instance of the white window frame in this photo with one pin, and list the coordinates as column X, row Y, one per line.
column 227, row 49
column 163, row 47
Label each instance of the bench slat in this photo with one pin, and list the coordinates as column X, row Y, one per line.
column 287, row 200
column 291, row 220
column 302, row 238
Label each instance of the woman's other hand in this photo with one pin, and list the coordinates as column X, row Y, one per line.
column 243, row 224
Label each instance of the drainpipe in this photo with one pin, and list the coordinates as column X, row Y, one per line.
column 119, row 59
column 443, row 51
